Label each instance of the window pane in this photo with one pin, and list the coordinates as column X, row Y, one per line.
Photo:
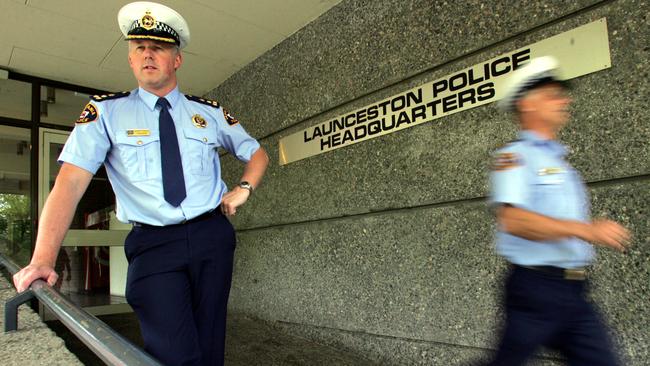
column 60, row 106
column 15, row 229
column 85, row 271
column 98, row 201
column 15, row 99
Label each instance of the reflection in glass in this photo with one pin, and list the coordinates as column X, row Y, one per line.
column 15, row 99
column 85, row 269
column 15, row 229
column 98, row 200
column 60, row 106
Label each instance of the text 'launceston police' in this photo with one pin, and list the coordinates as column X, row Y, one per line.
column 453, row 93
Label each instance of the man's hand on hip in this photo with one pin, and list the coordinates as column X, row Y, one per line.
column 233, row 199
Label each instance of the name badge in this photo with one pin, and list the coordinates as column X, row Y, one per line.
column 137, row 132
column 549, row 171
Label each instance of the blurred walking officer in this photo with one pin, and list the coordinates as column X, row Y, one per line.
column 544, row 229
column 159, row 149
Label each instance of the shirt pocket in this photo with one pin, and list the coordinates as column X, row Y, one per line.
column 201, row 150
column 140, row 155
column 552, row 194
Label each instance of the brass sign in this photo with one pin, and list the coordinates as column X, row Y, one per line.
column 580, row 51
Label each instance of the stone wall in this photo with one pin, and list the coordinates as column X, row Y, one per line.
column 33, row 343
column 385, row 247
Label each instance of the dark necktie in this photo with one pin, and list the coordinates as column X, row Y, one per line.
column 170, row 157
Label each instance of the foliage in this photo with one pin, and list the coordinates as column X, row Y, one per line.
column 14, row 206
column 15, row 228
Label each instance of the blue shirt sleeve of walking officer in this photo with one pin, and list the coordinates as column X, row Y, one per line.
column 510, row 177
column 530, row 174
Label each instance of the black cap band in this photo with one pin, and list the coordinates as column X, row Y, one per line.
column 159, row 32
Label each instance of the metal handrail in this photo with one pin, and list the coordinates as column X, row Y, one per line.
column 107, row 344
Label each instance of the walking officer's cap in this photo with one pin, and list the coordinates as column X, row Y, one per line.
column 539, row 71
column 147, row 20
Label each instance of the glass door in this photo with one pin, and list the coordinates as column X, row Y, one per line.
column 91, row 264
column 15, row 203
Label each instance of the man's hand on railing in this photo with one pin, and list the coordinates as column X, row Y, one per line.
column 29, row 274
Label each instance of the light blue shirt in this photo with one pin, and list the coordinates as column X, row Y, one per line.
column 124, row 137
column 531, row 174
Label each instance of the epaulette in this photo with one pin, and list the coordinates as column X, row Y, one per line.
column 506, row 160
column 102, row 97
column 511, row 142
column 212, row 103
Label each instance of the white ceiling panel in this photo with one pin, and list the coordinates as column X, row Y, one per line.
column 5, row 53
column 117, row 58
column 70, row 71
column 10, row 11
column 215, row 35
column 83, row 11
column 78, row 41
column 58, row 35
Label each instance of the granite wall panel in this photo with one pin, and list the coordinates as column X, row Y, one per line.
column 385, row 246
column 363, row 45
column 426, row 275
column 388, row 351
column 447, row 159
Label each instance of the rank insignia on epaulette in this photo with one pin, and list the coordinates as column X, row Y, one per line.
column 212, row 103
column 89, row 114
column 505, row 161
column 102, row 97
column 199, row 121
column 229, row 118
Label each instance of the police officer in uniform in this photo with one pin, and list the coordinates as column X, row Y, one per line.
column 544, row 229
column 159, row 148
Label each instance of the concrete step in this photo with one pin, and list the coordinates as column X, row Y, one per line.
column 249, row 342
column 33, row 343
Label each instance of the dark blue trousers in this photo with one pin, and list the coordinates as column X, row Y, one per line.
column 542, row 310
column 178, row 284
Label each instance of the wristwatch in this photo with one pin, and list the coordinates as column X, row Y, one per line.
column 246, row 185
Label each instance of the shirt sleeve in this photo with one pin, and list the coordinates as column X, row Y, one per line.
column 509, row 178
column 233, row 137
column 88, row 143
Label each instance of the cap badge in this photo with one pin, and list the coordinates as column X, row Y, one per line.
column 147, row 21
column 199, row 121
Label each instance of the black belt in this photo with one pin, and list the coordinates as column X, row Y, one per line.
column 574, row 274
column 201, row 217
